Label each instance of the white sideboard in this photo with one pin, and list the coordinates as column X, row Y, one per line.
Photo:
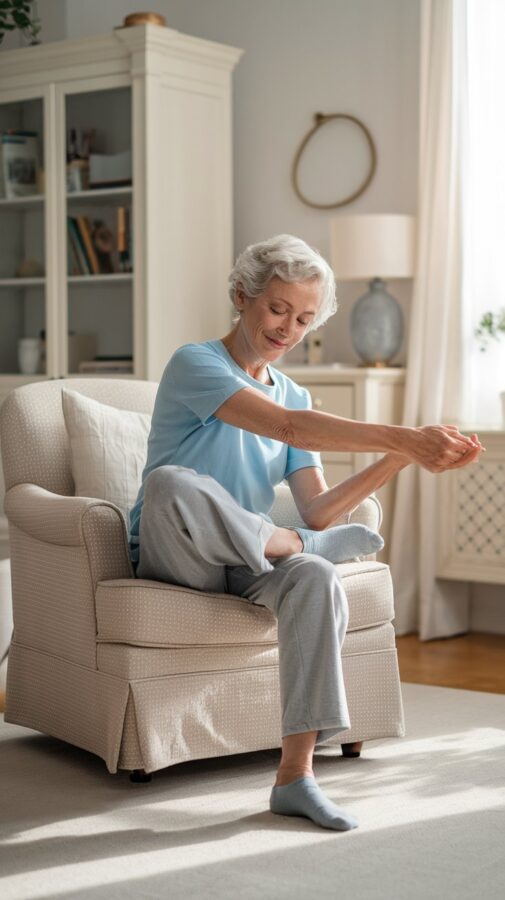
column 365, row 394
column 471, row 542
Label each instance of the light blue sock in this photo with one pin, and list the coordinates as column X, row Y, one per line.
column 341, row 543
column 304, row 797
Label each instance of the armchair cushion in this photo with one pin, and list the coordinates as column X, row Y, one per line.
column 108, row 449
column 154, row 614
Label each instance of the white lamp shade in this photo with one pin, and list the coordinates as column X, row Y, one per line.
column 372, row 246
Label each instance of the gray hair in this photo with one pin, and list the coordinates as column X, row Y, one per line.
column 290, row 259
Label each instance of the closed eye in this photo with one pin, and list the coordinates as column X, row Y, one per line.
column 279, row 312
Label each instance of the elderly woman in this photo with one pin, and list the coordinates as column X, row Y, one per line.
column 227, row 427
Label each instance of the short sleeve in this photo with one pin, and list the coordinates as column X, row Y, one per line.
column 297, row 458
column 202, row 380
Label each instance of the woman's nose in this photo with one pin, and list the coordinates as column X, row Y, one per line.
column 284, row 329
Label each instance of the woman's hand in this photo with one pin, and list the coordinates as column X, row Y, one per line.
column 441, row 447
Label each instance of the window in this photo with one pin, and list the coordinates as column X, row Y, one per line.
column 484, row 209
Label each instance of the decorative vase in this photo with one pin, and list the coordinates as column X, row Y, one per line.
column 376, row 325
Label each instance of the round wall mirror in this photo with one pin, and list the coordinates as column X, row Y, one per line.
column 337, row 150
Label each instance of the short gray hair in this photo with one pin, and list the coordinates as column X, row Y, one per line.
column 290, row 259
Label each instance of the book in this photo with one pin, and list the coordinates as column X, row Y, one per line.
column 73, row 233
column 72, row 258
column 123, row 239
column 82, row 245
column 85, row 233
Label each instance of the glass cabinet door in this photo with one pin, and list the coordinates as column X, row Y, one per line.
column 98, row 228
column 22, row 240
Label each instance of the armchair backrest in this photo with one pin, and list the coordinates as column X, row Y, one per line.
column 34, row 442
column 33, row 437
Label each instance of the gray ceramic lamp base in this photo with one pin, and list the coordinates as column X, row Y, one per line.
column 376, row 325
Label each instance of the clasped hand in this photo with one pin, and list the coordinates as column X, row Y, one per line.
column 438, row 448
column 444, row 447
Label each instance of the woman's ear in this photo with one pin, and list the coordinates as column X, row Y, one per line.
column 239, row 298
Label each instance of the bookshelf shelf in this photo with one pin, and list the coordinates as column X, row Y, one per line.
column 112, row 278
column 33, row 201
column 22, row 282
column 99, row 196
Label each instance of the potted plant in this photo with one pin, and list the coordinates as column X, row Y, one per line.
column 491, row 327
column 20, row 14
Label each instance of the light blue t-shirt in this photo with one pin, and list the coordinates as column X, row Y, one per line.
column 184, row 432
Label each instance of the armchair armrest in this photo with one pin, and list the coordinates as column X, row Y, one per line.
column 61, row 547
column 93, row 524
column 284, row 511
column 368, row 512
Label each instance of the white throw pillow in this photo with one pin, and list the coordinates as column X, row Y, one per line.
column 108, row 449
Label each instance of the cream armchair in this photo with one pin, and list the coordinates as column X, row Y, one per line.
column 142, row 673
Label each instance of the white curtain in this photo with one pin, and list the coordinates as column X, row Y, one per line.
column 484, row 185
column 424, row 604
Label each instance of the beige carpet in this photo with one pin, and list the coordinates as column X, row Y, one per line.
column 431, row 807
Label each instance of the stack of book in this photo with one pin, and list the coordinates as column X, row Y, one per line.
column 82, row 256
column 92, row 249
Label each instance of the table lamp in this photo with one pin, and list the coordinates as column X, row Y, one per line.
column 375, row 248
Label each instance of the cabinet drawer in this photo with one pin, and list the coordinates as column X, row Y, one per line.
column 338, row 400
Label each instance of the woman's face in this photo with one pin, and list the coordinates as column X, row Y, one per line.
column 278, row 319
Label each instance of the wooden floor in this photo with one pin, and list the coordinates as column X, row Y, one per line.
column 472, row 662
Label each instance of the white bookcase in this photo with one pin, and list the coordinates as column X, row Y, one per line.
column 166, row 97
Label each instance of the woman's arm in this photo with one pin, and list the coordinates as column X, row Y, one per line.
column 432, row 446
column 326, row 508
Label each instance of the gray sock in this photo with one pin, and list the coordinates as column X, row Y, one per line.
column 341, row 543
column 304, row 797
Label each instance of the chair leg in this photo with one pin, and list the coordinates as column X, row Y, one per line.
column 352, row 750
column 139, row 776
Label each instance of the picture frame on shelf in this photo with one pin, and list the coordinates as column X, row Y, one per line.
column 20, row 163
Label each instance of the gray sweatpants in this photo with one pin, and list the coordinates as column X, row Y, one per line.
column 194, row 533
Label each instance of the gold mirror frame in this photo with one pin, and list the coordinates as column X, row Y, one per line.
column 321, row 120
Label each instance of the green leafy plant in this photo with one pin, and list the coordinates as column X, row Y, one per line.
column 490, row 327
column 20, row 14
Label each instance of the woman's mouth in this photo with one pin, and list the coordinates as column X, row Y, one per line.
column 275, row 343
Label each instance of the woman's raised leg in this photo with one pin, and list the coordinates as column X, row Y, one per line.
column 191, row 528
